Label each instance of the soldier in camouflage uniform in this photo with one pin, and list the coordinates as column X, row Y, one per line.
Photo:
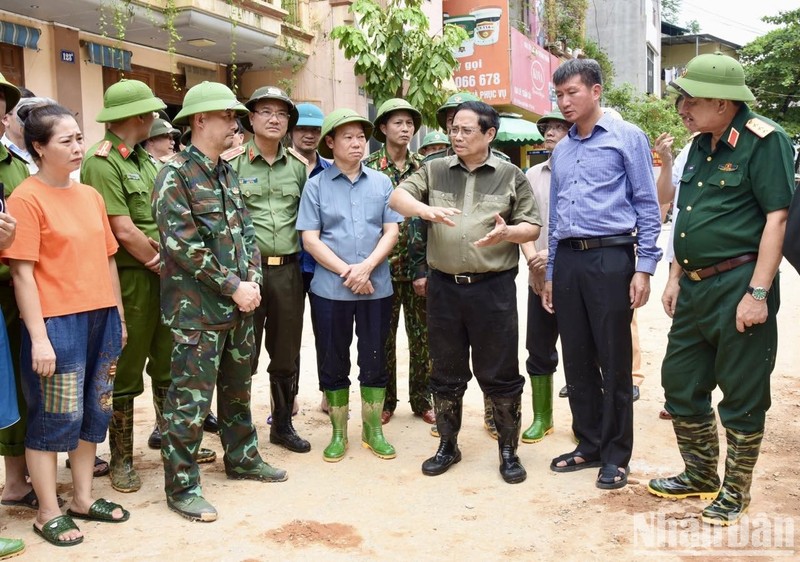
column 210, row 286
column 395, row 125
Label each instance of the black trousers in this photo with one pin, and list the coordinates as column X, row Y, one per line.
column 592, row 302
column 541, row 338
column 482, row 319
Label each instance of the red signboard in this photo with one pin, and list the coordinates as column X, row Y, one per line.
column 531, row 74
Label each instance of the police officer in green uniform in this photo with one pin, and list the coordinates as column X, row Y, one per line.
column 16, row 491
column 271, row 179
column 723, row 288
column 395, row 125
column 210, row 286
column 435, row 141
column 122, row 171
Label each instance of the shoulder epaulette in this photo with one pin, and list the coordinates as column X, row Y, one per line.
column 104, row 149
column 232, row 153
column 297, row 155
column 760, row 128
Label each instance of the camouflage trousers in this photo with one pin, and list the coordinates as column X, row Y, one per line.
column 201, row 360
column 419, row 368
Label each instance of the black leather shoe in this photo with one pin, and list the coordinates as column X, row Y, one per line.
column 290, row 440
column 635, row 393
column 447, row 455
column 563, row 393
column 154, row 441
column 211, row 425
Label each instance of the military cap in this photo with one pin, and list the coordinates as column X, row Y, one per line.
column 452, row 102
column 714, row 76
column 11, row 93
column 338, row 118
column 208, row 96
column 163, row 127
column 128, row 98
column 554, row 115
column 386, row 109
column 436, row 137
column 309, row 115
column 270, row 93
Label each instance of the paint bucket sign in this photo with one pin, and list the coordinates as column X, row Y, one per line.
column 487, row 25
column 467, row 23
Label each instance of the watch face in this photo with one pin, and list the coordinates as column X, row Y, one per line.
column 759, row 293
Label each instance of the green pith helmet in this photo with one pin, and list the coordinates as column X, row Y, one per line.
column 163, row 127
column 554, row 115
column 270, row 93
column 436, row 137
column 452, row 102
column 387, row 108
column 10, row 91
column 128, row 98
column 714, row 76
column 338, row 118
column 208, row 96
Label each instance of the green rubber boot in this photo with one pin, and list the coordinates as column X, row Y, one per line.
column 372, row 429
column 488, row 417
column 542, row 391
column 698, row 443
column 124, row 477
column 10, row 548
column 338, row 412
column 734, row 496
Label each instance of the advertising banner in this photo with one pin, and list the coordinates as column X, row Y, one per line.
column 484, row 55
column 531, row 75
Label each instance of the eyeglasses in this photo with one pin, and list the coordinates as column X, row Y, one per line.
column 557, row 127
column 464, row 131
column 269, row 114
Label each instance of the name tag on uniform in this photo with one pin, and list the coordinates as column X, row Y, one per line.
column 246, row 181
column 135, row 177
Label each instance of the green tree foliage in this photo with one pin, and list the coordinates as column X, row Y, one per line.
column 593, row 51
column 396, row 55
column 772, row 66
column 670, row 10
column 651, row 114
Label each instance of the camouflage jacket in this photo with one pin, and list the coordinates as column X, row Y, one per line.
column 407, row 260
column 207, row 242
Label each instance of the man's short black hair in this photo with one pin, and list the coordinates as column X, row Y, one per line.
column 588, row 69
column 487, row 115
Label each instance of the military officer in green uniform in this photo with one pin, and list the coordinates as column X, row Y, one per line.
column 271, row 179
column 722, row 291
column 17, row 491
column 210, row 286
column 395, row 125
column 124, row 174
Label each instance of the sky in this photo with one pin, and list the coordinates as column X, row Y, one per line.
column 738, row 21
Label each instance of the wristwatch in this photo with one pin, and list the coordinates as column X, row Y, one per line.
column 758, row 293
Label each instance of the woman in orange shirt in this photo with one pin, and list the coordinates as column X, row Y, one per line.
column 66, row 284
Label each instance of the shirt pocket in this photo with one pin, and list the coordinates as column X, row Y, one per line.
column 209, row 217
column 250, row 187
column 724, row 180
column 487, row 205
column 138, row 197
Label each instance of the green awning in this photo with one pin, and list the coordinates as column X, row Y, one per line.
column 517, row 131
column 110, row 57
column 19, row 35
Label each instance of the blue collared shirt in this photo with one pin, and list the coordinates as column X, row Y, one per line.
column 602, row 185
column 307, row 263
column 349, row 217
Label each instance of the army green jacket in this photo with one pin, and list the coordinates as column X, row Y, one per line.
column 207, row 240
column 12, row 172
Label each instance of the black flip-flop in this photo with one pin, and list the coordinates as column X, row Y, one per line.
column 29, row 500
column 97, row 462
column 607, row 477
column 572, row 465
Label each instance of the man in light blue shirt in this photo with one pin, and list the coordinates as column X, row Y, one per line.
column 349, row 230
column 602, row 202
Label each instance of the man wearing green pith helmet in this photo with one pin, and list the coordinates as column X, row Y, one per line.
column 210, row 286
column 395, row 125
column 722, row 292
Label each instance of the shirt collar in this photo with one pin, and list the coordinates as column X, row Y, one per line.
column 334, row 172
column 119, row 145
column 253, row 152
column 202, row 159
column 731, row 136
column 492, row 161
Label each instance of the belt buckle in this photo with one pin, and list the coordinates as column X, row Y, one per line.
column 579, row 244
column 462, row 279
column 274, row 260
column 693, row 274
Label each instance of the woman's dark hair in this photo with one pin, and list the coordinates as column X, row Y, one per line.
column 39, row 121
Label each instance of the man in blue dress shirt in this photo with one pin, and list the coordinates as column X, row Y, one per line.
column 349, row 230
column 602, row 202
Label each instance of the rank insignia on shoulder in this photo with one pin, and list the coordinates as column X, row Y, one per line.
column 232, row 153
column 728, row 167
column 733, row 137
column 297, row 155
column 104, row 149
column 760, row 128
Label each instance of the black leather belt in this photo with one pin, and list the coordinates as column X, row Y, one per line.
column 581, row 244
column 467, row 278
column 280, row 260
